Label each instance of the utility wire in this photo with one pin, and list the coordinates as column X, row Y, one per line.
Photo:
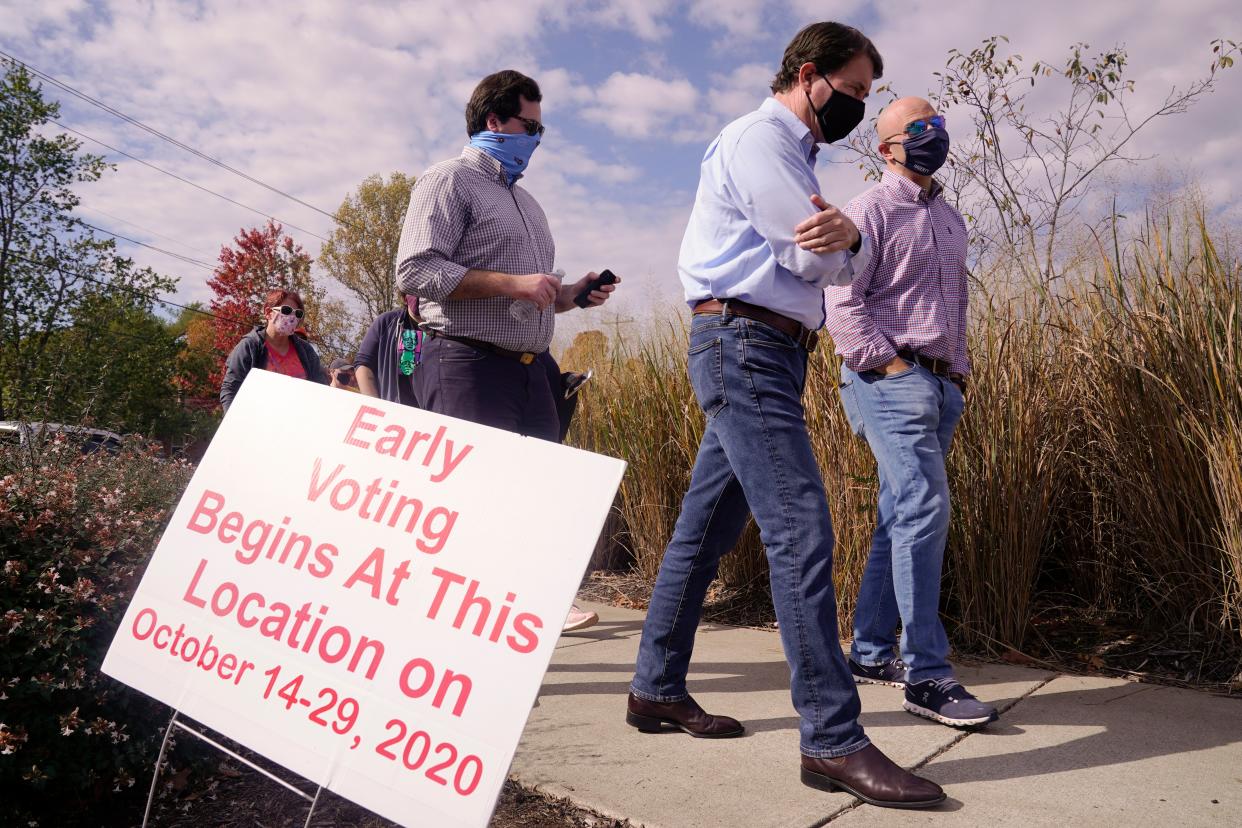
column 184, row 180
column 146, row 230
column 179, row 256
column 162, row 136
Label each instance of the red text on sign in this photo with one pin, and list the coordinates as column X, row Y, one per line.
column 372, row 502
column 416, row 750
column 273, row 620
column 468, row 602
column 398, row 441
column 419, row 676
column 205, row 655
column 256, row 539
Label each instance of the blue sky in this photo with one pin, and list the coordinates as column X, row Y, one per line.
column 314, row 96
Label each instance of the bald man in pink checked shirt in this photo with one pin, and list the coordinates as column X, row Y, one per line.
column 900, row 328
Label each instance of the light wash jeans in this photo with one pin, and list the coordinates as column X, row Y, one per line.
column 755, row 457
column 908, row 420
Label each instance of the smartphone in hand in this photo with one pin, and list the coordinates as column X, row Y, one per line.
column 605, row 278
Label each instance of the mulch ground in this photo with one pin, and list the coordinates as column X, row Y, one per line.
column 234, row 796
column 1065, row 640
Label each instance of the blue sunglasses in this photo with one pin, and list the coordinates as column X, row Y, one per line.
column 916, row 128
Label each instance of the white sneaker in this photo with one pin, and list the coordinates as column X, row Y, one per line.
column 578, row 619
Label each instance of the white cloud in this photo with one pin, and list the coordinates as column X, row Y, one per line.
column 642, row 18
column 644, row 106
column 738, row 18
column 315, row 97
column 740, row 91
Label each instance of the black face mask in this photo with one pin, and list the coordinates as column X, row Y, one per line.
column 926, row 152
column 839, row 114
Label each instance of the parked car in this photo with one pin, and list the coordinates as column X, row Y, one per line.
column 89, row 439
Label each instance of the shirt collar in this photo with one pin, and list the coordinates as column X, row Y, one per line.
column 477, row 159
column 800, row 131
column 906, row 189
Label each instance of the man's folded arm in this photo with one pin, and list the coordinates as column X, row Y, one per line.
column 772, row 185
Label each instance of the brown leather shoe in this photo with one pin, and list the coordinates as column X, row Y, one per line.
column 872, row 777
column 651, row 717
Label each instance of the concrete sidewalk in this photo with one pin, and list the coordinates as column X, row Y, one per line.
column 1068, row 750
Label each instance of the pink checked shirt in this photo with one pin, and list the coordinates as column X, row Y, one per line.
column 912, row 294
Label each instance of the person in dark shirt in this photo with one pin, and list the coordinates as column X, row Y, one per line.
column 341, row 375
column 386, row 360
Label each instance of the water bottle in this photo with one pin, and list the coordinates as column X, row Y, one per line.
column 524, row 310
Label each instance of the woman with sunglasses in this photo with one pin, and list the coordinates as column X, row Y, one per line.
column 273, row 346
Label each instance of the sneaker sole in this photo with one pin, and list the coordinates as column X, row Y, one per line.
column 824, row 783
column 581, row 625
column 650, row 724
column 882, row 682
column 968, row 724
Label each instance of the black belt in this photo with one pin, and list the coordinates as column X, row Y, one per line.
column 524, row 357
column 937, row 366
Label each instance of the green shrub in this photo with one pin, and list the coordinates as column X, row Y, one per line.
column 75, row 534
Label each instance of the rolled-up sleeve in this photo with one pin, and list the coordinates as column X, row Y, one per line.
column 858, row 339
column 772, row 184
column 434, row 223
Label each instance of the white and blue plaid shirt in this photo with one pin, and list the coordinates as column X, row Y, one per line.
column 463, row 216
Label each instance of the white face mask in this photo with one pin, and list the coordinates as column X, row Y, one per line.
column 285, row 323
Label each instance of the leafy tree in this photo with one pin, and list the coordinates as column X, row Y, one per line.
column 196, row 376
column 1020, row 173
column 261, row 259
column 362, row 252
column 55, row 276
column 115, row 367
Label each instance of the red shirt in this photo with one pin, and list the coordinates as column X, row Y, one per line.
column 287, row 364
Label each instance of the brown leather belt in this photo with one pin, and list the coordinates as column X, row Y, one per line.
column 524, row 357
column 936, row 366
column 736, row 307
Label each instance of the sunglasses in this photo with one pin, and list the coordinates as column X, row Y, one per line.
column 285, row 310
column 532, row 127
column 916, row 128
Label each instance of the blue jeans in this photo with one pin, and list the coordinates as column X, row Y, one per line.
column 908, row 419
column 755, row 457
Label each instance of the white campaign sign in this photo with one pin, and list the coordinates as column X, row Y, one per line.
column 366, row 593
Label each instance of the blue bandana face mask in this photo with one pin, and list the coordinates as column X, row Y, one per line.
column 512, row 151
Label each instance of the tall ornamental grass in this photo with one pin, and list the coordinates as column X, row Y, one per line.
column 1099, row 460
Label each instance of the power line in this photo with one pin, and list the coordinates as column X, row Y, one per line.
column 153, row 131
column 186, row 259
column 194, row 184
column 146, row 230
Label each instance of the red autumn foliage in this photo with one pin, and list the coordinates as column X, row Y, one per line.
column 258, row 260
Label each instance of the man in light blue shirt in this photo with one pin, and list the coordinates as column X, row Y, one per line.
column 760, row 247
column 756, row 184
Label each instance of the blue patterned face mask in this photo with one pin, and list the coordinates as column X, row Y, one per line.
column 512, row 151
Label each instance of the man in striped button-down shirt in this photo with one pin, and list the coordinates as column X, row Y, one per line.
column 900, row 329
column 474, row 244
